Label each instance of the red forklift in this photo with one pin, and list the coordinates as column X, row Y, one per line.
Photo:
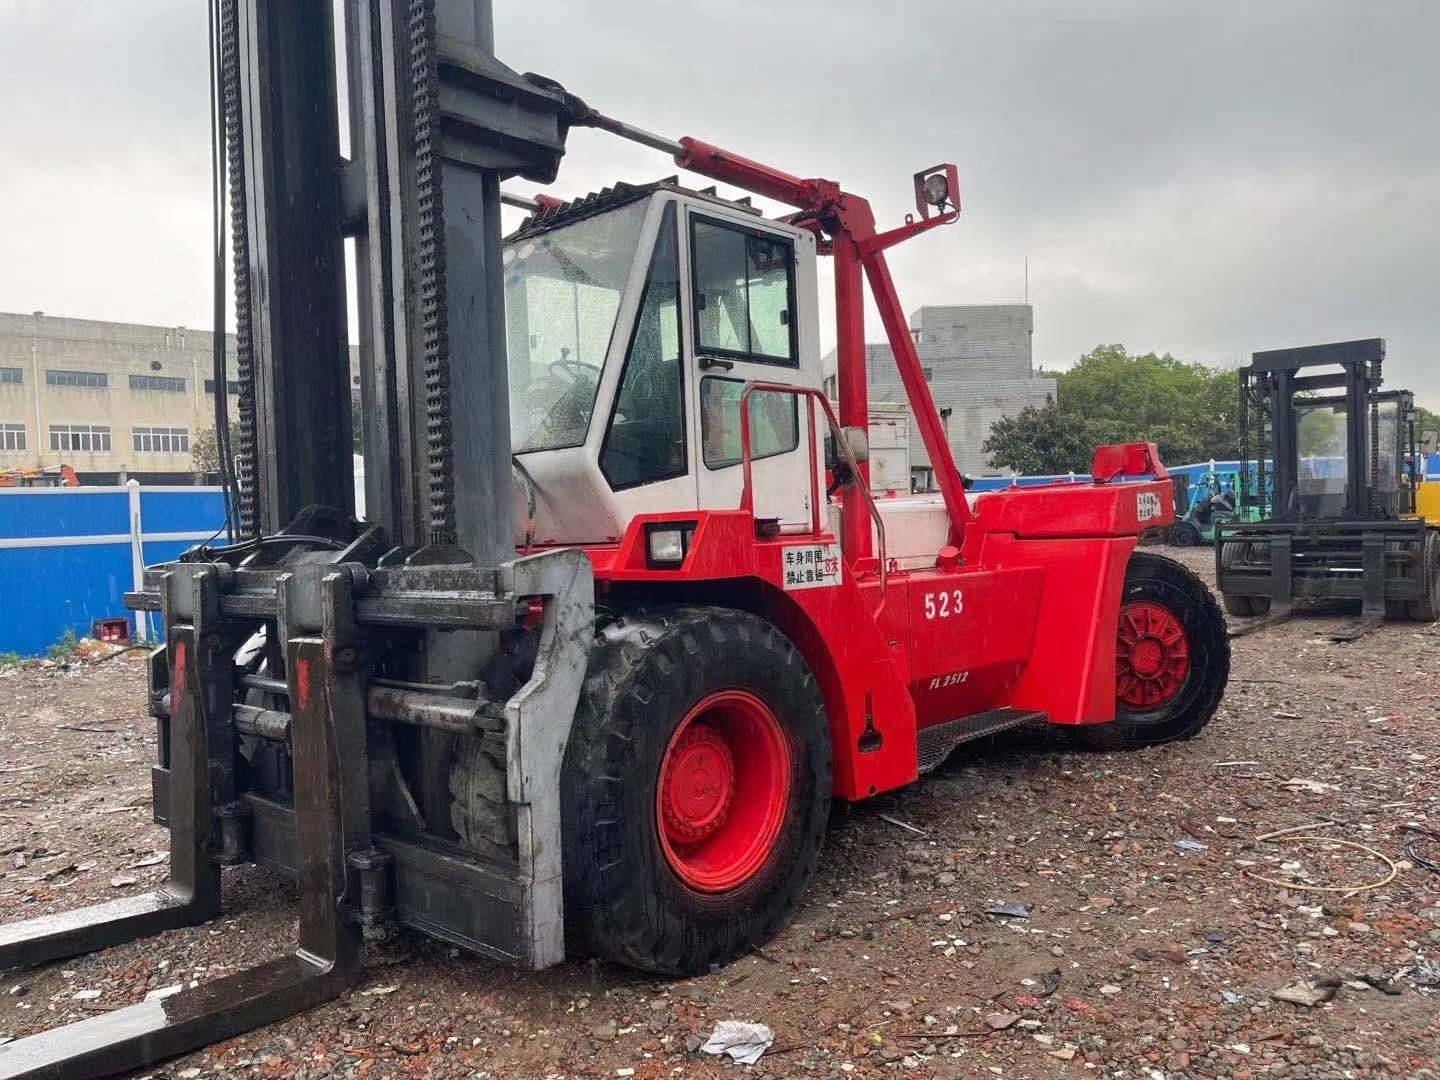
column 622, row 619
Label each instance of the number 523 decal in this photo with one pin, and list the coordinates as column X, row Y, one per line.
column 943, row 605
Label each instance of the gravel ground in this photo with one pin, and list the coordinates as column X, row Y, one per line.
column 1149, row 950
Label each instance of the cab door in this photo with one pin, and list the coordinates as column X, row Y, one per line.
column 745, row 327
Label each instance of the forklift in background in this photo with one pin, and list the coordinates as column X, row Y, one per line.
column 1219, row 496
column 1342, row 522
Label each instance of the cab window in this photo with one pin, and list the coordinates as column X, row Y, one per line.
column 774, row 422
column 646, row 438
column 744, row 292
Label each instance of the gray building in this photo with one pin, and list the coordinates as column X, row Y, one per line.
column 111, row 400
column 977, row 361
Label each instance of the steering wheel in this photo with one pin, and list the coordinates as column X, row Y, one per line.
column 565, row 364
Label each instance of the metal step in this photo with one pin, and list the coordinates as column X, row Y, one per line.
column 934, row 744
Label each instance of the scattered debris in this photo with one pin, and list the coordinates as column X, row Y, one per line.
column 741, row 1040
column 1293, row 829
column 1012, row 909
column 1186, row 844
column 1306, row 886
column 1411, row 847
column 1314, row 787
column 902, row 824
column 1083, row 846
column 1380, row 982
column 999, row 1021
column 1308, row 992
column 1425, row 973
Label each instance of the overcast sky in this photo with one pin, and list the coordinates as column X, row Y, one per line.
column 1204, row 178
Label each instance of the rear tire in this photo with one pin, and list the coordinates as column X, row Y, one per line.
column 1172, row 658
column 1427, row 609
column 1187, row 534
column 665, row 688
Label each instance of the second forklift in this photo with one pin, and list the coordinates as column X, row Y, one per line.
column 1342, row 521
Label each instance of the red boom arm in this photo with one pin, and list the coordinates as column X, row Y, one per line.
column 850, row 224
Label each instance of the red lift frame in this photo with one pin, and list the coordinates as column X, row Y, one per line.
column 846, row 224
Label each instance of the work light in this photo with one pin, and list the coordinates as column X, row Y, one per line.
column 936, row 189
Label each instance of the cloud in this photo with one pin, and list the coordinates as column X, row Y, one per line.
column 1208, row 178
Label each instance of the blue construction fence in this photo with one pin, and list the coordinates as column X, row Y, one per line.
column 69, row 555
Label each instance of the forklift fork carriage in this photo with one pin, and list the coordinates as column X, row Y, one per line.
column 323, row 609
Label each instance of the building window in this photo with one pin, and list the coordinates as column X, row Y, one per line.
column 85, row 438
column 93, row 380
column 12, row 436
column 231, row 386
column 11, row 375
column 161, row 440
column 164, row 383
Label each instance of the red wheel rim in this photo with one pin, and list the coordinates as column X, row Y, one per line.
column 723, row 789
column 1152, row 656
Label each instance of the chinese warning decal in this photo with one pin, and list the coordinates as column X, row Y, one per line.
column 809, row 566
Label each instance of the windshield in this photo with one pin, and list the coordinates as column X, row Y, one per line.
column 1320, row 439
column 562, row 294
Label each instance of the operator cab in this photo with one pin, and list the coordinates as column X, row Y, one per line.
column 634, row 318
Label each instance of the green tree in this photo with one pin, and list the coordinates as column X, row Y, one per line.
column 205, row 450
column 1108, row 396
column 1041, row 440
column 1427, row 427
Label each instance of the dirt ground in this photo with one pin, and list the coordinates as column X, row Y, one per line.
column 1149, row 949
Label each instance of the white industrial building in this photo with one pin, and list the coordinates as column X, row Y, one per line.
column 977, row 360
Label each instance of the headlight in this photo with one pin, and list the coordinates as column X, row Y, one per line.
column 666, row 544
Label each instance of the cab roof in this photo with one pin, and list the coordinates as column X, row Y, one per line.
column 611, row 198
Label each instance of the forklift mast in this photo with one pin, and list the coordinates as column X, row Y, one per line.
column 1278, row 390
column 436, row 122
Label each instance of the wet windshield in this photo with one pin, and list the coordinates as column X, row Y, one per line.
column 562, row 295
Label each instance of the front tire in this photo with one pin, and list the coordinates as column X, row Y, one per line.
column 695, row 789
column 1172, row 657
column 1242, row 607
